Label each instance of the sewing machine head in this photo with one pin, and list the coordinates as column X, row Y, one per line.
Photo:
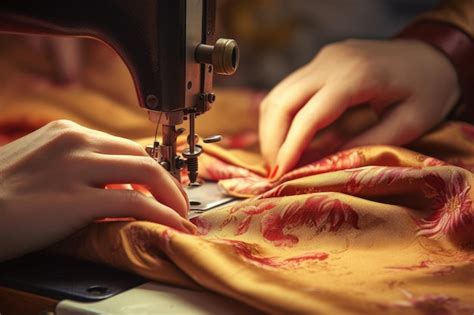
column 187, row 59
column 167, row 45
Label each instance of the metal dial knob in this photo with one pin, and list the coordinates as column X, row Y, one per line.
column 224, row 55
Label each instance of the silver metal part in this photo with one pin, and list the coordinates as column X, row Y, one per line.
column 192, row 132
column 165, row 152
column 205, row 197
column 168, row 157
column 153, row 150
column 193, row 152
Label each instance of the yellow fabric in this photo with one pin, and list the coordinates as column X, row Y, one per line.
column 358, row 240
column 371, row 230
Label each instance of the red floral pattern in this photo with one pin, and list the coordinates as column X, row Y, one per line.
column 319, row 212
column 452, row 205
column 372, row 176
column 203, row 225
column 433, row 304
column 250, row 253
column 432, row 267
column 339, row 161
column 256, row 185
column 249, row 186
column 248, row 210
column 276, row 192
column 422, row 265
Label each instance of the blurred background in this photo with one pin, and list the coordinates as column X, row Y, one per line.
column 45, row 78
column 275, row 36
column 278, row 36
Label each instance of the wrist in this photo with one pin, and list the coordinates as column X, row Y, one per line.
column 458, row 47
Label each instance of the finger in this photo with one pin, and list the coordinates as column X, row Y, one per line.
column 108, row 144
column 269, row 106
column 320, row 111
column 397, row 127
column 114, row 169
column 290, row 80
column 125, row 203
column 184, row 194
column 95, row 140
column 278, row 112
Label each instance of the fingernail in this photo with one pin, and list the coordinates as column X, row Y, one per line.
column 189, row 227
column 274, row 172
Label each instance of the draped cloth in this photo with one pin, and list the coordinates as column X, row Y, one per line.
column 369, row 230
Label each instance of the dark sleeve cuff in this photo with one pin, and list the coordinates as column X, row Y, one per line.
column 458, row 47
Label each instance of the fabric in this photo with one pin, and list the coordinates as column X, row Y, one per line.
column 370, row 230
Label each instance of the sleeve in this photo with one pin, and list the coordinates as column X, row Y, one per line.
column 450, row 29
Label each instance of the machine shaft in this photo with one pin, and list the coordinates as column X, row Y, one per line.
column 168, row 156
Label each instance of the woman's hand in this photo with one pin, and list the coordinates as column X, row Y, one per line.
column 52, row 183
column 409, row 84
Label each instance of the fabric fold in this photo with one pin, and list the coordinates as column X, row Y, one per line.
column 368, row 230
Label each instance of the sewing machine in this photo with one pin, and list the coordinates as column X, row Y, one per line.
column 168, row 48
column 166, row 45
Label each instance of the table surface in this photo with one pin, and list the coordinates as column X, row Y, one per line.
column 153, row 298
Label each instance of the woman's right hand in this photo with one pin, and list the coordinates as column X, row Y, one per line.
column 411, row 85
column 52, row 183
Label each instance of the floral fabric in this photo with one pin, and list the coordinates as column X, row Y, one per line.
column 370, row 230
